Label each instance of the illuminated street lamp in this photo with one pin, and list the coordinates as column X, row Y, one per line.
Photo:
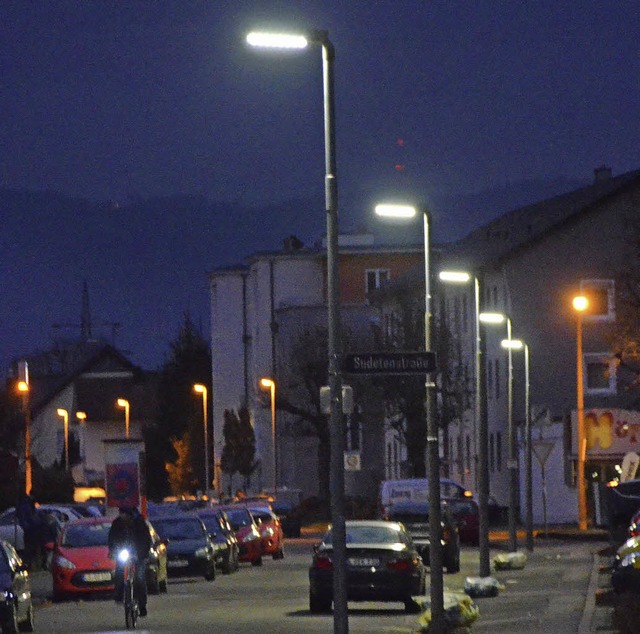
column 512, row 462
column 24, row 389
column 518, row 344
column 580, row 305
column 198, row 388
column 402, row 211
column 270, row 384
column 65, row 417
column 481, row 419
column 336, row 437
column 124, row 403
column 81, row 416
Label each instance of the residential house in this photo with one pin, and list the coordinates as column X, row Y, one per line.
column 86, row 377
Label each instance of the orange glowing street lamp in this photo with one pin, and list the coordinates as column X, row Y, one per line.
column 198, row 388
column 580, row 305
column 65, row 417
column 270, row 384
column 124, row 403
column 23, row 388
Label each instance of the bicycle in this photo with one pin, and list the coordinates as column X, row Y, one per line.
column 130, row 599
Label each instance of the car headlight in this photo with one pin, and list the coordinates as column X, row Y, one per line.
column 63, row 562
column 251, row 537
column 202, row 552
column 7, row 595
column 268, row 532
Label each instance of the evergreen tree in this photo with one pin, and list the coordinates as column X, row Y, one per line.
column 181, row 478
column 180, row 411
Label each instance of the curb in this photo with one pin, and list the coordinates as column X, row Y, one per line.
column 590, row 602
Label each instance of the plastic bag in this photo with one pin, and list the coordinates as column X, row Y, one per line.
column 510, row 561
column 482, row 586
column 460, row 612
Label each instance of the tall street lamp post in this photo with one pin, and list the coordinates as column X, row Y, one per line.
column 270, row 384
column 124, row 403
column 23, row 388
column 512, row 461
column 336, row 431
column 481, row 420
column 518, row 344
column 580, row 304
column 64, row 414
column 198, row 388
column 393, row 210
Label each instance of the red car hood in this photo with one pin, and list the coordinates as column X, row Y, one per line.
column 89, row 558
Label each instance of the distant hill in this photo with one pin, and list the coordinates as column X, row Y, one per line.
column 146, row 261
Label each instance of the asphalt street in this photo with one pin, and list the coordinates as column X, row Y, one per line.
column 554, row 593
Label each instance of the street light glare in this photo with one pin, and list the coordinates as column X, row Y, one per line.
column 492, row 318
column 513, row 344
column 62, row 412
column 460, row 277
column 266, row 382
column 580, row 303
column 395, row 211
column 122, row 402
column 199, row 388
column 23, row 386
column 276, row 40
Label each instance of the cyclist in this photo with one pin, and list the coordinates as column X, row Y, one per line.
column 129, row 530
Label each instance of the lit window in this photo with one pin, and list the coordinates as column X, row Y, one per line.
column 601, row 296
column 600, row 374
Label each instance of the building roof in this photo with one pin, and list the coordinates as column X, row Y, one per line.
column 503, row 237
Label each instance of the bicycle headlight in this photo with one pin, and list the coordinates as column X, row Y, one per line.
column 124, row 555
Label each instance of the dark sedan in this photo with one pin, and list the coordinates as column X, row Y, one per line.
column 224, row 539
column 190, row 550
column 16, row 609
column 415, row 517
column 382, row 565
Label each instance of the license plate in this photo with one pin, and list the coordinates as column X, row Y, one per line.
column 95, row 577
column 363, row 562
column 177, row 563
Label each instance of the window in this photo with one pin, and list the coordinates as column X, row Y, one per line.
column 375, row 278
column 601, row 296
column 600, row 374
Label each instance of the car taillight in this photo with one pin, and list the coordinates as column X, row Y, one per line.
column 323, row 563
column 398, row 565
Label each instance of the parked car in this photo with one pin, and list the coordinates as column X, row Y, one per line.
column 382, row 565
column 288, row 516
column 16, row 608
column 415, row 517
column 11, row 531
column 625, row 575
column 417, row 490
column 80, row 563
column 224, row 539
column 247, row 534
column 190, row 550
column 270, row 530
column 467, row 516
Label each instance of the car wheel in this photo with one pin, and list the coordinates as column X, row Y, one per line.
column 154, row 584
column 319, row 603
column 236, row 561
column 27, row 625
column 228, row 565
column 163, row 585
column 279, row 554
column 411, row 607
column 257, row 562
column 211, row 573
column 10, row 626
column 453, row 563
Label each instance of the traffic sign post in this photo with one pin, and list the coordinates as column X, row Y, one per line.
column 390, row 363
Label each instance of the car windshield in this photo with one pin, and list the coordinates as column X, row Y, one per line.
column 86, row 535
column 179, row 529
column 239, row 518
column 212, row 522
column 368, row 534
column 261, row 516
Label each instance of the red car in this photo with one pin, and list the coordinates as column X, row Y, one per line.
column 467, row 516
column 270, row 530
column 247, row 534
column 80, row 564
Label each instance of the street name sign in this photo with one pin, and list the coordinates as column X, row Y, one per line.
column 390, row 362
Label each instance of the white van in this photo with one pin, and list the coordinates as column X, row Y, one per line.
column 417, row 490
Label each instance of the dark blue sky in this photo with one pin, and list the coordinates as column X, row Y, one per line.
column 116, row 100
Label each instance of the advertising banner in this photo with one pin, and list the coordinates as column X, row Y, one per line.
column 123, row 469
column 609, row 432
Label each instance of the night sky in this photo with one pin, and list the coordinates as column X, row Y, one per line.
column 121, row 101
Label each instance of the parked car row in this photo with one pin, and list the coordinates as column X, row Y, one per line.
column 625, row 576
